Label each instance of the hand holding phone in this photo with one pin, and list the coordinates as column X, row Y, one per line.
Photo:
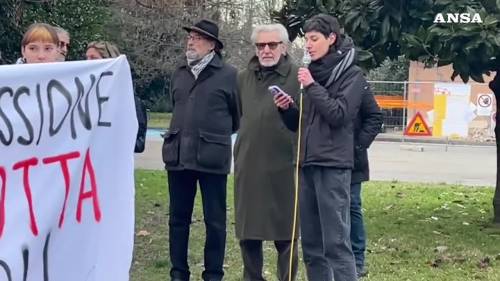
column 275, row 90
column 281, row 99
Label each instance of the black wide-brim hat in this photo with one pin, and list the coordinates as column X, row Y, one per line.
column 206, row 28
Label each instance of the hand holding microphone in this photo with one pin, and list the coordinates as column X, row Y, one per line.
column 304, row 75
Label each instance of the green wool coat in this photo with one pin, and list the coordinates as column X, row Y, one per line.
column 264, row 155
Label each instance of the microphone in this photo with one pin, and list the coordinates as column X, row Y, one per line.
column 306, row 60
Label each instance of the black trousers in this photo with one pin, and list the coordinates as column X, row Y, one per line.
column 182, row 191
column 251, row 251
column 325, row 224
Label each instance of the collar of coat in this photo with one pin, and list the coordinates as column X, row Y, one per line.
column 282, row 68
column 215, row 62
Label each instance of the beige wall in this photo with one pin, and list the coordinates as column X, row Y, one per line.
column 421, row 90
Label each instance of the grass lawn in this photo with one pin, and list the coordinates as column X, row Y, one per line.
column 159, row 120
column 415, row 232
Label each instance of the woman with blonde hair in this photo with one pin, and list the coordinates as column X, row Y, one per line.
column 39, row 44
column 101, row 50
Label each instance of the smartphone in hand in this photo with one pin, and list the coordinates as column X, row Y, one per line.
column 275, row 90
column 281, row 99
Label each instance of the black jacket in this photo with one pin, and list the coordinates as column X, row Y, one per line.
column 329, row 115
column 205, row 114
column 142, row 119
column 366, row 127
column 327, row 133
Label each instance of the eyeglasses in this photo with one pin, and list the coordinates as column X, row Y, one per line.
column 63, row 44
column 194, row 38
column 272, row 45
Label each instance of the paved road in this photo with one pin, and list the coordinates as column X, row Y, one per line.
column 437, row 163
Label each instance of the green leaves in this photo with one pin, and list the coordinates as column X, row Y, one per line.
column 83, row 19
column 386, row 25
column 391, row 28
column 10, row 32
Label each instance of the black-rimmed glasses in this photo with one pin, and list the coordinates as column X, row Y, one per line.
column 272, row 45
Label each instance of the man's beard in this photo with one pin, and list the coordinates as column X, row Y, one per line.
column 192, row 55
column 269, row 63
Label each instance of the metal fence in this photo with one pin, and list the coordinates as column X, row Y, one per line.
column 401, row 101
column 390, row 96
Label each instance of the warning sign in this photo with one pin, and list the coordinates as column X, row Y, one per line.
column 417, row 127
column 484, row 104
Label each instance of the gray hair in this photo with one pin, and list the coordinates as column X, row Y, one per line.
column 276, row 27
column 61, row 30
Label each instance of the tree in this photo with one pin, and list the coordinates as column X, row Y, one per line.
column 390, row 70
column 390, row 28
column 150, row 33
column 10, row 31
column 83, row 19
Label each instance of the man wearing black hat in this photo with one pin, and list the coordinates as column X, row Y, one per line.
column 197, row 147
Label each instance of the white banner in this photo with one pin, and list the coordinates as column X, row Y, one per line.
column 457, row 112
column 67, row 134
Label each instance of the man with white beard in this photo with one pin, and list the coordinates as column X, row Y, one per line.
column 264, row 156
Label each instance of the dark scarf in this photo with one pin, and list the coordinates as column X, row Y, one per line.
column 329, row 68
column 268, row 70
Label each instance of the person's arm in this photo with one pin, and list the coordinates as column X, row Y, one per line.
column 288, row 110
column 290, row 117
column 343, row 107
column 142, row 119
column 371, row 120
column 234, row 102
column 171, row 90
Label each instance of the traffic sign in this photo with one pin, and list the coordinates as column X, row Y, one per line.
column 484, row 104
column 418, row 127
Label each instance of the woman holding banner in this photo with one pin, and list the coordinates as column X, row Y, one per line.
column 39, row 44
column 105, row 50
column 101, row 50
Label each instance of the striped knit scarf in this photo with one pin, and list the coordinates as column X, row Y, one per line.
column 341, row 67
column 198, row 66
column 330, row 67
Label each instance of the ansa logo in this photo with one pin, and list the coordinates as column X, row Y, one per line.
column 457, row 18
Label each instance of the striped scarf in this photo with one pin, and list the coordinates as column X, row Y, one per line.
column 198, row 66
column 341, row 67
column 329, row 68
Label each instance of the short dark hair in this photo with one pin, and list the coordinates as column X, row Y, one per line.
column 324, row 24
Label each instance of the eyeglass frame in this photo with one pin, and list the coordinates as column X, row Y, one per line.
column 195, row 38
column 63, row 44
column 262, row 46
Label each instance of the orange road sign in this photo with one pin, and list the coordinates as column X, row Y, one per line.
column 418, row 127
